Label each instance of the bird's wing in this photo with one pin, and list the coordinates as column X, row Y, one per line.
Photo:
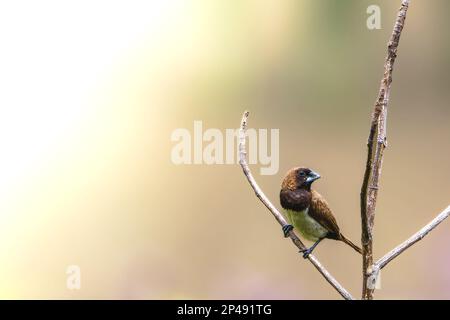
column 321, row 212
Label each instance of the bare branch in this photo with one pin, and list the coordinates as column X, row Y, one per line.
column 278, row 216
column 376, row 144
column 388, row 257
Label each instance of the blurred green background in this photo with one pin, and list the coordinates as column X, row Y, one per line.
column 91, row 91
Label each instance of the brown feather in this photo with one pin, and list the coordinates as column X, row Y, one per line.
column 297, row 200
column 351, row 244
column 320, row 211
column 290, row 180
column 296, row 195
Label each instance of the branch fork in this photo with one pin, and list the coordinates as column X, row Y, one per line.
column 376, row 144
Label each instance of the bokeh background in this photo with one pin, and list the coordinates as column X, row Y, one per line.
column 90, row 92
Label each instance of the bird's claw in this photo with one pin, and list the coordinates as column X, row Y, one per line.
column 306, row 253
column 286, row 229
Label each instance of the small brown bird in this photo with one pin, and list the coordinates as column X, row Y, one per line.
column 307, row 210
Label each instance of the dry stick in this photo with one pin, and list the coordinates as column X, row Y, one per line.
column 376, row 144
column 388, row 257
column 278, row 216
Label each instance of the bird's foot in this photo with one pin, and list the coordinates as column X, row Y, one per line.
column 286, row 229
column 306, row 252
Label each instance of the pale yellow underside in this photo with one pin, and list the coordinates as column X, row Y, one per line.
column 306, row 226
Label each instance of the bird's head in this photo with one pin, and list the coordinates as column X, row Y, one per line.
column 299, row 178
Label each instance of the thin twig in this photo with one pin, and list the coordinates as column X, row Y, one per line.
column 376, row 144
column 278, row 216
column 388, row 257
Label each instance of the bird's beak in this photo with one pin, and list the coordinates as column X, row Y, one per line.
column 312, row 176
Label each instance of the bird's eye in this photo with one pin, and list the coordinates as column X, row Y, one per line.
column 302, row 174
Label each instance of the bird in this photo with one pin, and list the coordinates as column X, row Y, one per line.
column 307, row 211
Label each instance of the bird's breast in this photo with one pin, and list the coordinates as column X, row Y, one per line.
column 308, row 227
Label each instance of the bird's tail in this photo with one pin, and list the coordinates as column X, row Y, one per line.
column 351, row 244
